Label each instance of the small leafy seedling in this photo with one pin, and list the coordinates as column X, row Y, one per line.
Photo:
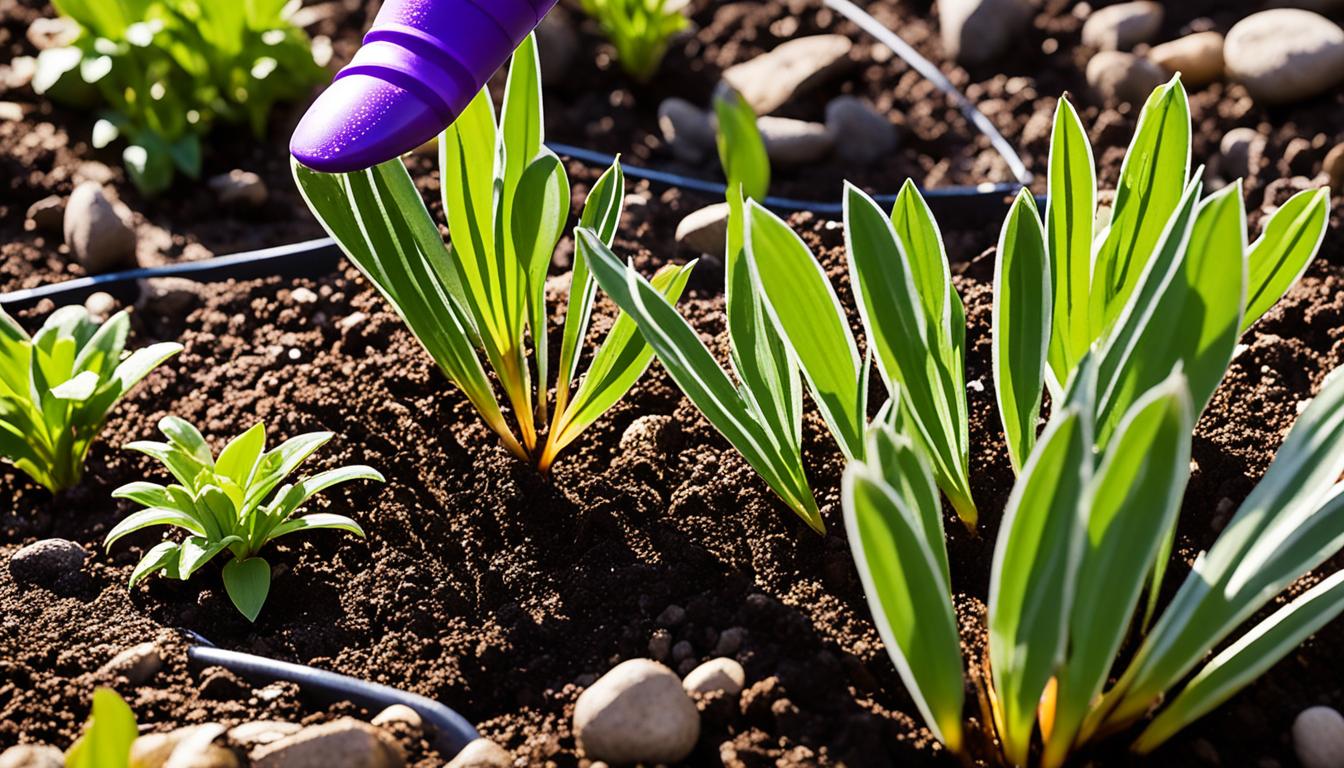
column 108, row 735
column 165, row 71
column 641, row 30
column 232, row 502
column 57, row 388
column 507, row 202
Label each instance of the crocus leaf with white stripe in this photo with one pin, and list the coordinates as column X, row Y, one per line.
column 1291, row 522
column 481, row 298
column 1291, row 239
column 1021, row 326
column 1152, row 180
column 58, row 387
column 1186, row 307
column 693, row 367
column 894, row 520
column 1071, row 205
column 225, row 503
column 1135, row 497
column 1033, row 576
column 805, row 307
column 916, row 326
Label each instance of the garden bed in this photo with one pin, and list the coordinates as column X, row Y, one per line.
column 503, row 593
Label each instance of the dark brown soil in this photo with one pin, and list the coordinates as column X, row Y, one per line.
column 502, row 593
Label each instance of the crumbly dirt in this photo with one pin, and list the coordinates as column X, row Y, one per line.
column 503, row 593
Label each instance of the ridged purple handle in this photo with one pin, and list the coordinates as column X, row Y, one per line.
column 422, row 62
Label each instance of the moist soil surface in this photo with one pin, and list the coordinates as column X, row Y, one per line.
column 503, row 593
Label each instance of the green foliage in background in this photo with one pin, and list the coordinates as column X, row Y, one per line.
column 641, row 30
column 58, row 386
column 163, row 72
column 231, row 502
column 507, row 200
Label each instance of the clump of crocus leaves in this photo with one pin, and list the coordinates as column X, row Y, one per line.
column 507, row 200
column 1130, row 324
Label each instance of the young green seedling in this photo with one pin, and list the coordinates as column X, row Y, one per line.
column 641, row 30
column 507, row 202
column 232, row 502
column 164, row 71
column 108, row 735
column 57, row 388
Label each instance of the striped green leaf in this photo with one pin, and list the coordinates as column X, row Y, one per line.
column 1034, row 573
column 617, row 365
column 1281, row 256
column 1135, row 497
column 893, row 519
column 1152, row 179
column 741, row 148
column 1021, row 323
column 1290, row 523
column 602, row 214
column 381, row 224
column 698, row 375
column 1070, row 210
column 916, row 327
column 540, row 211
column 803, row 304
column 1249, row 657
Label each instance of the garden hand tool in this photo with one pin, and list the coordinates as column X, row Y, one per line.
column 422, row 62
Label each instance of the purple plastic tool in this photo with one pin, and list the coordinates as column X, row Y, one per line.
column 422, row 62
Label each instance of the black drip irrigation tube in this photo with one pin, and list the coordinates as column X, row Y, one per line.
column 450, row 731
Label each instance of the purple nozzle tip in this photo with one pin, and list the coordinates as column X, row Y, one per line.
column 422, row 62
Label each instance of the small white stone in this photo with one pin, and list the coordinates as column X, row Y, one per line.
column 338, row 743
column 1318, row 738
column 1240, row 151
column 239, row 187
column 1285, row 54
column 32, row 756
column 482, row 753
column 794, row 142
column 138, row 664
column 100, row 305
column 1122, row 26
column 259, row 732
column 99, row 235
column 636, row 713
column 302, row 295
column 705, row 230
column 716, row 675
column 771, row 80
column 399, row 714
column 1198, row 57
column 1117, row 76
